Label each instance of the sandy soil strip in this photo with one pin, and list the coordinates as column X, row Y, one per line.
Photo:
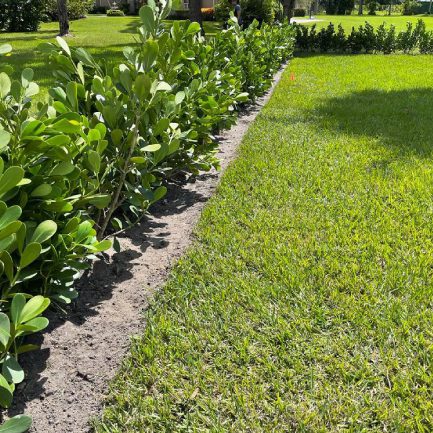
column 66, row 380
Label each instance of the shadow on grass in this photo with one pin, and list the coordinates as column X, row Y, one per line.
column 399, row 119
column 131, row 27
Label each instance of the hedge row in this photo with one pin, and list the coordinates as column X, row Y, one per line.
column 365, row 39
column 89, row 163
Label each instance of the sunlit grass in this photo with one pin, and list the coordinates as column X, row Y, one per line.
column 306, row 302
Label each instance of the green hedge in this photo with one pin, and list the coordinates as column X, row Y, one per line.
column 365, row 39
column 88, row 164
column 20, row 15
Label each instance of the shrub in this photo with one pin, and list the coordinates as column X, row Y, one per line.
column 93, row 160
column 20, row 15
column 260, row 10
column 365, row 39
column 179, row 14
column 115, row 13
column 76, row 8
column 325, row 38
column 372, row 7
column 222, row 10
column 98, row 10
column 410, row 7
column 339, row 7
column 299, row 12
column 124, row 7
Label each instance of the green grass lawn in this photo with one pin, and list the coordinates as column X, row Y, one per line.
column 350, row 21
column 105, row 37
column 306, row 302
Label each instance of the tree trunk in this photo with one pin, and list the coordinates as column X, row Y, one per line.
column 288, row 6
column 62, row 9
column 195, row 11
column 361, row 7
column 429, row 7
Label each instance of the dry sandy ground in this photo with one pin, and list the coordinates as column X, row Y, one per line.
column 67, row 379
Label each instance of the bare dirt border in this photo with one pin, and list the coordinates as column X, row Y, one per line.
column 66, row 380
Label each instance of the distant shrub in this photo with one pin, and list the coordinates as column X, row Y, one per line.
column 339, row 7
column 76, row 8
column 410, row 7
column 222, row 10
column 20, row 15
column 98, row 10
column 179, row 14
column 365, row 39
column 115, row 13
column 260, row 10
column 299, row 12
column 372, row 7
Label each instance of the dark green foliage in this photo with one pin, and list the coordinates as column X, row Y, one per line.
column 260, row 10
column 299, row 12
column 339, row 7
column 222, row 10
column 372, row 7
column 411, row 7
column 365, row 39
column 76, row 8
column 20, row 15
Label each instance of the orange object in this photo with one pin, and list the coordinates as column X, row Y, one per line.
column 292, row 76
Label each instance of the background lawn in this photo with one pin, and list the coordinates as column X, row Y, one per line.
column 306, row 303
column 350, row 21
column 105, row 37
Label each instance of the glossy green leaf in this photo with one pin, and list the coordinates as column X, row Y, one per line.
column 26, row 76
column 151, row 147
column 12, row 370
column 11, row 228
column 11, row 214
column 33, row 308
column 147, row 18
column 42, row 190
column 193, row 28
column 44, row 231
column 5, row 84
column 63, row 169
column 5, row 329
column 17, row 424
column 94, row 160
column 31, row 252
column 63, row 45
column 32, row 90
column 6, row 395
column 5, row 138
column 17, row 305
column 10, row 178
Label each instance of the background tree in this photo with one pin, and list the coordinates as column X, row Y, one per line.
column 361, row 7
column 288, row 6
column 62, row 8
column 195, row 11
